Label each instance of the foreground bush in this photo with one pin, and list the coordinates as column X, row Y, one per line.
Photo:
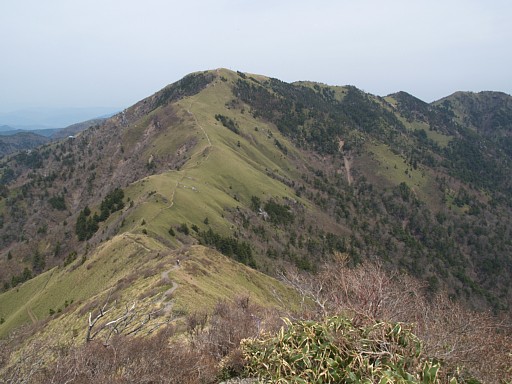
column 470, row 344
column 335, row 350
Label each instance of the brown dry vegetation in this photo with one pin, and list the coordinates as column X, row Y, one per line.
column 470, row 343
column 205, row 347
column 208, row 350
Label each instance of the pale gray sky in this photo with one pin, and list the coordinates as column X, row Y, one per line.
column 112, row 53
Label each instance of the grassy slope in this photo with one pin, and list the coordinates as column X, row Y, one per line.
column 131, row 269
column 110, row 262
column 132, row 265
column 223, row 171
column 219, row 175
column 390, row 169
column 206, row 276
column 437, row 137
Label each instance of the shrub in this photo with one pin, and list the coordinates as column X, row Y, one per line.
column 57, row 202
column 228, row 123
column 229, row 246
column 337, row 350
column 183, row 228
column 159, row 357
column 255, row 203
column 19, row 279
column 279, row 213
column 70, row 258
column 86, row 226
column 470, row 344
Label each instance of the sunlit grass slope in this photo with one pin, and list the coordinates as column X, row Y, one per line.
column 130, row 268
column 218, row 171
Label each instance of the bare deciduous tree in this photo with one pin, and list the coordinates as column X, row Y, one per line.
column 476, row 342
column 130, row 321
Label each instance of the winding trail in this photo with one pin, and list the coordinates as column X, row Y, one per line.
column 133, row 239
column 184, row 171
column 201, row 127
column 165, row 276
column 33, row 317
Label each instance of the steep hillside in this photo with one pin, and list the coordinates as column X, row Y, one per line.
column 270, row 174
column 132, row 269
column 427, row 188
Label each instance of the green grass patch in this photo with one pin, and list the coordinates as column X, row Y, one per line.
column 395, row 170
column 206, row 276
column 130, row 267
column 111, row 261
column 439, row 138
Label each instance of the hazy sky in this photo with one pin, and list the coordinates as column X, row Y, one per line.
column 112, row 53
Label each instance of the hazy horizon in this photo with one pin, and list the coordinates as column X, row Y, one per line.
column 43, row 118
column 113, row 54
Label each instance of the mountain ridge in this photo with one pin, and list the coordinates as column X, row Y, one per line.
column 357, row 173
column 222, row 183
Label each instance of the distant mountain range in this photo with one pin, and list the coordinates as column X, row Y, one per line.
column 49, row 118
column 20, row 141
column 22, row 137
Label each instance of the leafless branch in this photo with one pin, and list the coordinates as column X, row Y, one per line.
column 102, row 312
column 130, row 322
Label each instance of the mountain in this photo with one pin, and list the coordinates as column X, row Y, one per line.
column 343, row 170
column 487, row 112
column 272, row 175
column 20, row 141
